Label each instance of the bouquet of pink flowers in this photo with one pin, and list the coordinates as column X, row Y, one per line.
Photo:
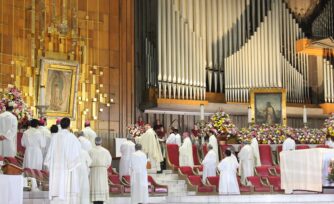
column 136, row 130
column 13, row 96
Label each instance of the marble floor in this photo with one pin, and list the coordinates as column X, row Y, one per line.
column 41, row 198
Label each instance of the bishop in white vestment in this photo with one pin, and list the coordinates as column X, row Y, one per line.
column 34, row 142
column 246, row 159
column 89, row 133
column 8, row 132
column 138, row 173
column 289, row 144
column 85, row 143
column 329, row 141
column 186, row 151
column 255, row 147
column 62, row 160
column 209, row 164
column 214, row 143
column 127, row 148
column 101, row 161
column 83, row 172
column 150, row 144
column 228, row 183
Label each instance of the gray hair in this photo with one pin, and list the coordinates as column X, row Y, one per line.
column 129, row 137
column 210, row 146
column 138, row 147
column 98, row 140
column 80, row 133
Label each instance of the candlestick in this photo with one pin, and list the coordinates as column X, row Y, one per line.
column 304, row 115
column 201, row 112
column 249, row 115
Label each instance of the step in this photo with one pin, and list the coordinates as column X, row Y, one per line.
column 165, row 177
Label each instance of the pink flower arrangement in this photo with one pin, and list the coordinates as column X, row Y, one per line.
column 14, row 96
column 136, row 130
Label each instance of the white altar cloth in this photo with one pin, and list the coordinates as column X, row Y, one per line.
column 11, row 189
column 303, row 169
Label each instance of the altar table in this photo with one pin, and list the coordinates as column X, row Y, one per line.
column 303, row 169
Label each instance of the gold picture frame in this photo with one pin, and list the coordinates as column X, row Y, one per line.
column 268, row 106
column 59, row 87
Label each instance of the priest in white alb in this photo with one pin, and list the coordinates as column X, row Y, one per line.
column 246, row 160
column 62, row 160
column 209, row 164
column 46, row 135
column 255, row 147
column 228, row 183
column 89, row 133
column 150, row 145
column 138, row 173
column 174, row 137
column 213, row 142
column 84, row 169
column 8, row 132
column 126, row 149
column 34, row 142
column 85, row 143
column 186, row 151
column 101, row 161
column 289, row 143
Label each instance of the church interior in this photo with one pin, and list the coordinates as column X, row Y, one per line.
column 234, row 70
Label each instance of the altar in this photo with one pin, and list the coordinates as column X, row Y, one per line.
column 304, row 169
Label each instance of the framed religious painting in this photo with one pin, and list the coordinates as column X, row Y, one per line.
column 59, row 87
column 268, row 106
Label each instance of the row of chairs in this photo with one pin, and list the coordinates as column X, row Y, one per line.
column 122, row 185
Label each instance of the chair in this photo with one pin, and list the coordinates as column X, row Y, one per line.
column 11, row 166
column 185, row 171
column 213, row 181
column 303, row 146
column 204, row 149
column 222, row 148
column 265, row 155
column 111, row 171
column 126, row 182
column 157, row 188
column 258, row 184
column 322, row 146
column 243, row 188
column 197, row 160
column 45, row 174
column 275, row 181
column 28, row 172
column 198, row 169
column 173, row 156
column 195, row 183
column 115, row 186
column 262, row 171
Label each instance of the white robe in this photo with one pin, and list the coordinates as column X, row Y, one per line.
column 127, row 149
column 85, row 143
column 289, row 144
column 150, row 143
column 83, row 172
column 62, row 160
column 214, row 143
column 139, row 183
column 209, row 165
column 246, row 159
column 174, row 139
column 228, row 183
column 329, row 143
column 255, row 147
column 90, row 134
column 34, row 142
column 101, row 161
column 47, row 138
column 186, row 153
column 8, row 128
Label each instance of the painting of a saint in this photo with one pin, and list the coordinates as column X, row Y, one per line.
column 268, row 108
column 58, row 90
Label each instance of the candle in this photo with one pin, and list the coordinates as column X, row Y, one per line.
column 201, row 112
column 249, row 115
column 304, row 115
column 42, row 95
